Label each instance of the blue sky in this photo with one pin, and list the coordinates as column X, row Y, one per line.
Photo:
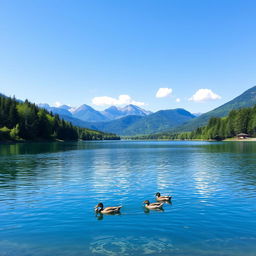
column 73, row 51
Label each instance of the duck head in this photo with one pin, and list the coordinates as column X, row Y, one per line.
column 146, row 202
column 158, row 194
column 98, row 208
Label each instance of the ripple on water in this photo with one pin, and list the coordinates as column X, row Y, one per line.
column 134, row 246
column 47, row 199
column 115, row 246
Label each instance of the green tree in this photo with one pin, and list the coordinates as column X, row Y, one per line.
column 14, row 133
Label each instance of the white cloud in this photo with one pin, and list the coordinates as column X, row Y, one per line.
column 204, row 95
column 57, row 104
column 178, row 100
column 163, row 92
column 123, row 99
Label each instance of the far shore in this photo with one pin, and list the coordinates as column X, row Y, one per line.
column 226, row 140
column 236, row 139
column 127, row 139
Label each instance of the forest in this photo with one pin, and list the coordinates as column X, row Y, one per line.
column 238, row 121
column 24, row 121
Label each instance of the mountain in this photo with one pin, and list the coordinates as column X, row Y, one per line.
column 136, row 125
column 77, row 122
column 87, row 113
column 128, row 120
column 114, row 112
column 66, row 107
column 197, row 114
column 13, row 97
column 119, row 125
column 160, row 121
column 44, row 105
column 134, row 110
column 55, row 110
column 84, row 112
column 246, row 99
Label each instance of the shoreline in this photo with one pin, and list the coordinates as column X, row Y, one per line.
column 226, row 140
column 236, row 139
column 61, row 141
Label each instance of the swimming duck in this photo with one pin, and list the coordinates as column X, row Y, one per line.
column 153, row 206
column 99, row 208
column 162, row 198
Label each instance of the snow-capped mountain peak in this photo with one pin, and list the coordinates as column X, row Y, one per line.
column 89, row 114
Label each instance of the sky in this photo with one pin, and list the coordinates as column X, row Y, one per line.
column 157, row 54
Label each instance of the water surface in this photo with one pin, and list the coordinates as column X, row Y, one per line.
column 48, row 191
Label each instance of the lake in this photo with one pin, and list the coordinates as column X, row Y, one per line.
column 48, row 192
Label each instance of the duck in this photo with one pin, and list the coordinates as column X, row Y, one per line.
column 99, row 208
column 153, row 206
column 162, row 198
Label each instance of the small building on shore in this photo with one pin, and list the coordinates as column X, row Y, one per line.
column 242, row 136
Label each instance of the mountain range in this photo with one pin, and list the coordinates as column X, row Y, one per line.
column 88, row 114
column 138, row 125
column 133, row 120
column 128, row 120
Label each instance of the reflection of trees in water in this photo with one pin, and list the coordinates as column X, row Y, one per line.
column 44, row 147
column 14, row 159
column 239, row 160
column 29, row 160
column 206, row 166
column 123, row 164
column 228, row 163
column 229, row 147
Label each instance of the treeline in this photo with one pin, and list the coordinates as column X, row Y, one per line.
column 238, row 121
column 26, row 121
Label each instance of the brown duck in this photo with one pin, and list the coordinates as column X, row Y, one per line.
column 99, row 208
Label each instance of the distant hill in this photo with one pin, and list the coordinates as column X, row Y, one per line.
column 87, row 113
column 114, row 112
column 134, row 111
column 55, row 110
column 135, row 125
column 246, row 99
column 119, row 125
column 160, row 121
column 65, row 107
column 197, row 114
column 77, row 122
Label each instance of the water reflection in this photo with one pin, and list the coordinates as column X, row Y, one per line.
column 100, row 216
column 206, row 175
column 147, row 211
column 48, row 193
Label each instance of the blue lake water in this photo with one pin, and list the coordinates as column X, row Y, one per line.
column 48, row 192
